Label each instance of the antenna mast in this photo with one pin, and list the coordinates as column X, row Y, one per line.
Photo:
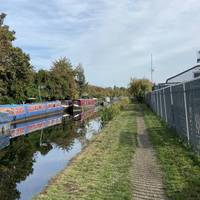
column 152, row 70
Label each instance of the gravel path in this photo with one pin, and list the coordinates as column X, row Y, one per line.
column 147, row 177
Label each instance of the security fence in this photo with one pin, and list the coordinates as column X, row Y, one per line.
column 179, row 106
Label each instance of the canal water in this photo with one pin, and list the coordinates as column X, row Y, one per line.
column 29, row 161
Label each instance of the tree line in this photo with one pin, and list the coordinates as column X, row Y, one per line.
column 20, row 81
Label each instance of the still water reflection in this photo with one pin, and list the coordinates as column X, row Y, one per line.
column 30, row 160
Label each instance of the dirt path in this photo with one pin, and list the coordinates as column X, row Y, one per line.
column 147, row 178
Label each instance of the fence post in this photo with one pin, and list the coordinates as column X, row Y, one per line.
column 157, row 105
column 172, row 102
column 155, row 102
column 186, row 113
column 160, row 103
column 165, row 105
column 172, row 109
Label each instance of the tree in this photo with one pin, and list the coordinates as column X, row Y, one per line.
column 80, row 79
column 63, row 83
column 138, row 88
column 16, row 72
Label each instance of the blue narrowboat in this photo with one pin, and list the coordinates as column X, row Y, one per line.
column 23, row 112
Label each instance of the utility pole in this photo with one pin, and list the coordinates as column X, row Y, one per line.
column 152, row 70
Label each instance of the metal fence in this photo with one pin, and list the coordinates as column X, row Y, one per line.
column 179, row 106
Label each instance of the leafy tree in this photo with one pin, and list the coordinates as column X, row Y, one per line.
column 63, row 83
column 80, row 79
column 16, row 72
column 138, row 88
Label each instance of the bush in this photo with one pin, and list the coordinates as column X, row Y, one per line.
column 138, row 88
column 109, row 113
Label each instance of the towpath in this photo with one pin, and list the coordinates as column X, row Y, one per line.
column 147, row 176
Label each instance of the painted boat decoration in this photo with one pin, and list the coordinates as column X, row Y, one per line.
column 22, row 112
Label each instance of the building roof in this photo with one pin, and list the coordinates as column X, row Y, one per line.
column 192, row 68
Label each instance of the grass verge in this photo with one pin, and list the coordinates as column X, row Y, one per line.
column 181, row 167
column 102, row 170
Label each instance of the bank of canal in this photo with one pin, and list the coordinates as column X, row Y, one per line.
column 30, row 161
column 103, row 170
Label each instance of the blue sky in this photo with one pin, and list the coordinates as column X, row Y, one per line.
column 113, row 39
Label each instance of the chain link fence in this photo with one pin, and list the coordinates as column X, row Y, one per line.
column 179, row 106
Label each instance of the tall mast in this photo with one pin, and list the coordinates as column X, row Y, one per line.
column 152, row 70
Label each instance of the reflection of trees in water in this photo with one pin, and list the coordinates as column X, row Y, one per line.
column 16, row 161
column 62, row 135
column 83, row 128
column 15, row 164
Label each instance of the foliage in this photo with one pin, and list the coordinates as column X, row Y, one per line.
column 138, row 88
column 63, row 82
column 110, row 112
column 80, row 79
column 181, row 167
column 99, row 92
column 19, row 80
column 16, row 72
column 102, row 170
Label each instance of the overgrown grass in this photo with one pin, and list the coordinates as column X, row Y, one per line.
column 102, row 170
column 181, row 167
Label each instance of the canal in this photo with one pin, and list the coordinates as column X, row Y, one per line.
column 44, row 148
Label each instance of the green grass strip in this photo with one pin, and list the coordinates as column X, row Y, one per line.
column 181, row 167
column 103, row 169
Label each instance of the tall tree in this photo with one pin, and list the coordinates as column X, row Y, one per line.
column 63, row 83
column 16, row 72
column 80, row 79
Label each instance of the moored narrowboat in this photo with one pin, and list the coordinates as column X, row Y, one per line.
column 24, row 112
column 81, row 105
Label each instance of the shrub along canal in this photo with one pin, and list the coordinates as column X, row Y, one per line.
column 31, row 160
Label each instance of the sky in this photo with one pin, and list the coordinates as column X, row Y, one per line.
column 113, row 39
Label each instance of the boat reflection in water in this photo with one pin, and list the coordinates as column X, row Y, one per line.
column 4, row 135
column 29, row 162
column 29, row 127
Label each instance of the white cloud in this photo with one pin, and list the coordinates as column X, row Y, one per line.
column 113, row 39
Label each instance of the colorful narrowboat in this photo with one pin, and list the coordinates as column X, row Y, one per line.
column 23, row 112
column 81, row 105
